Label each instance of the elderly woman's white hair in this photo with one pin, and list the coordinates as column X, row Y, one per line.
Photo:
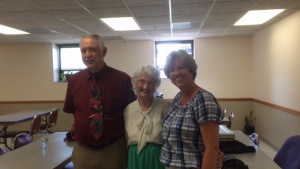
column 150, row 71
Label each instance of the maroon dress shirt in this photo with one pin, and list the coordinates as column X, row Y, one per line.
column 116, row 93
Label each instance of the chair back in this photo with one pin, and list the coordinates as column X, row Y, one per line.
column 52, row 119
column 230, row 118
column 35, row 125
column 2, row 151
column 288, row 155
column 50, row 122
column 20, row 140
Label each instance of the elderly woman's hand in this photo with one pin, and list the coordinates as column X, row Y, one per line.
column 220, row 159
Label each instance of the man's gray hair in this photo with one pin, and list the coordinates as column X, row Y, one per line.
column 97, row 37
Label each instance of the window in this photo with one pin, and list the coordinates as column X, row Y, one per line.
column 70, row 61
column 164, row 48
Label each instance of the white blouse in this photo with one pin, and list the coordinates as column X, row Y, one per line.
column 145, row 126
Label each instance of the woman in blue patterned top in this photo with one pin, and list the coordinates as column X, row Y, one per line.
column 191, row 127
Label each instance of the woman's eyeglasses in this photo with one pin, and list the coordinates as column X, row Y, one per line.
column 178, row 69
column 143, row 82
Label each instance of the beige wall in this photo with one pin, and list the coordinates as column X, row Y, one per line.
column 223, row 66
column 26, row 73
column 276, row 80
column 264, row 67
column 28, row 68
column 276, row 63
column 31, row 64
column 126, row 56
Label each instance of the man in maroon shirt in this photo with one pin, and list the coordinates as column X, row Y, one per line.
column 116, row 90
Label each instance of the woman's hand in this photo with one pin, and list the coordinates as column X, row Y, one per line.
column 220, row 159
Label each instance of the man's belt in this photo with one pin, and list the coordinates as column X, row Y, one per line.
column 105, row 144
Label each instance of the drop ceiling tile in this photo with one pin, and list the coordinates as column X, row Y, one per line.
column 140, row 3
column 150, row 11
column 191, row 9
column 68, row 20
column 233, row 6
column 153, row 20
column 98, row 4
column 110, row 12
column 16, row 6
column 55, row 4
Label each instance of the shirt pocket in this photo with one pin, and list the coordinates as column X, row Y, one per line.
column 113, row 105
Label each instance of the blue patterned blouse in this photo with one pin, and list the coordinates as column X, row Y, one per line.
column 182, row 141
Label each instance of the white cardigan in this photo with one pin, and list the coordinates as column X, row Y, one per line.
column 145, row 126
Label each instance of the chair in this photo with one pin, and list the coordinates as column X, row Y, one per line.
column 51, row 122
column 224, row 110
column 35, row 125
column 2, row 151
column 33, row 130
column 21, row 140
column 288, row 156
column 230, row 118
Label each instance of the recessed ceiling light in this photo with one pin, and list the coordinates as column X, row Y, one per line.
column 257, row 17
column 11, row 31
column 121, row 24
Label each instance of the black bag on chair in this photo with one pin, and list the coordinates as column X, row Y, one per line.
column 235, row 147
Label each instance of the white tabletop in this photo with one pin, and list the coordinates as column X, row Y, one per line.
column 257, row 160
column 18, row 117
column 33, row 156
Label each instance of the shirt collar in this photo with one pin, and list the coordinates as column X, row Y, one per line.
column 98, row 75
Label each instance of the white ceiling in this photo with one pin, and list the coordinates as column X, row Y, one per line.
column 65, row 21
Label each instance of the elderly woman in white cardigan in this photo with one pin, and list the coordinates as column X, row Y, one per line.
column 143, row 121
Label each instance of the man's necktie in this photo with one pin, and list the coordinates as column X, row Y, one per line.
column 96, row 117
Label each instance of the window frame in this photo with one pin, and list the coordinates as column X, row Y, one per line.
column 171, row 42
column 65, row 74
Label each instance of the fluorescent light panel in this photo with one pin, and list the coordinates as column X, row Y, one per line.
column 11, row 31
column 121, row 24
column 257, row 17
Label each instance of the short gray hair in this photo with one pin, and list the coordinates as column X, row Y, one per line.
column 186, row 59
column 97, row 37
column 149, row 70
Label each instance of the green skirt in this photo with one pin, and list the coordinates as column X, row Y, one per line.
column 147, row 159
